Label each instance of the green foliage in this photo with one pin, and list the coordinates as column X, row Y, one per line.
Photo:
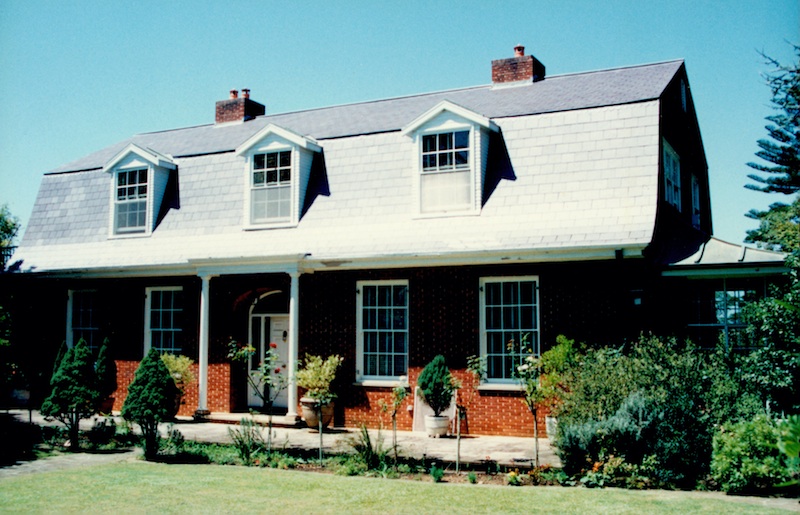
column 437, row 474
column 746, row 458
column 780, row 225
column 75, row 393
column 557, row 363
column 436, row 384
column 106, row 371
column 316, row 376
column 180, row 369
column 9, row 227
column 269, row 379
column 247, row 439
column 472, row 477
column 656, row 397
column 370, row 451
column 789, row 445
column 150, row 400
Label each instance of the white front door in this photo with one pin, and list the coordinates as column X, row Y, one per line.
column 264, row 330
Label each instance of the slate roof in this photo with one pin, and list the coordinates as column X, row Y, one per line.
column 584, row 150
column 558, row 93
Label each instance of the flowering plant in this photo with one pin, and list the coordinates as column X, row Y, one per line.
column 529, row 374
column 268, row 379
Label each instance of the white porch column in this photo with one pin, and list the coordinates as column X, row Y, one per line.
column 294, row 329
column 202, row 396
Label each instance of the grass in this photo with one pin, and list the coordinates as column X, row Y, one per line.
column 154, row 487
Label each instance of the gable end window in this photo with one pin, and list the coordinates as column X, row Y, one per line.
column 695, row 202
column 446, row 179
column 672, row 176
column 509, row 324
column 271, row 187
column 130, row 204
column 164, row 320
column 382, row 317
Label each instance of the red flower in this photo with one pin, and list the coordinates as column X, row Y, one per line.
column 278, row 370
column 273, row 345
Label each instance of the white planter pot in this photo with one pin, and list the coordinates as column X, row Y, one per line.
column 436, row 426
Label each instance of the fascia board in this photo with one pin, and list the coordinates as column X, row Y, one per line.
column 291, row 136
column 446, row 105
column 155, row 158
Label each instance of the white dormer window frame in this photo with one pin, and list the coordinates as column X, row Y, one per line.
column 277, row 165
column 450, row 144
column 139, row 179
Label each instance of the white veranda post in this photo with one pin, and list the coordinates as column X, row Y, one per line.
column 294, row 326
column 202, row 362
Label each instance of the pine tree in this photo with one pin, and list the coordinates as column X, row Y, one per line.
column 150, row 399
column 782, row 151
column 106, row 371
column 74, row 393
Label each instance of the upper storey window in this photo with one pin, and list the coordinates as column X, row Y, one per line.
column 278, row 167
column 271, row 194
column 130, row 206
column 139, row 182
column 672, row 176
column 451, row 145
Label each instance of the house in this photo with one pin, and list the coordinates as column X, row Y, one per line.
column 386, row 232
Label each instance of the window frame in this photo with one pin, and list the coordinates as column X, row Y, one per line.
column 289, row 186
column 427, row 174
column 696, row 211
column 93, row 329
column 148, row 313
column 507, row 382
column 672, row 176
column 116, row 203
column 375, row 379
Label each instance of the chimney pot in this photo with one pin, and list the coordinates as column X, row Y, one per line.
column 245, row 93
column 519, row 51
column 236, row 109
column 234, row 94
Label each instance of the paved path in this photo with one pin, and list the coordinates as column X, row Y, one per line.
column 504, row 450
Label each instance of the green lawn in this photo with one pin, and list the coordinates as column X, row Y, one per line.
column 149, row 487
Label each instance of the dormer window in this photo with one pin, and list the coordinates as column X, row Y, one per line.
column 130, row 206
column 139, row 180
column 278, row 167
column 271, row 193
column 451, row 145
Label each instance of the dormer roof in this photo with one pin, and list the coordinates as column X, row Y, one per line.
column 148, row 155
column 286, row 134
column 447, row 106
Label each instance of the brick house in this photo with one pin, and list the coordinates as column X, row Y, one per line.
column 386, row 231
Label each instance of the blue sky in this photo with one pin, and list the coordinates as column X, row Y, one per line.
column 77, row 76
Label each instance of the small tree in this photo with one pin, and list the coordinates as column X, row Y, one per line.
column 74, row 393
column 106, row 371
column 529, row 375
column 399, row 393
column 437, row 385
column 151, row 398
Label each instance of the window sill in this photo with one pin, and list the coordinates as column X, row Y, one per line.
column 380, row 383
column 283, row 224
column 448, row 214
column 128, row 235
column 500, row 387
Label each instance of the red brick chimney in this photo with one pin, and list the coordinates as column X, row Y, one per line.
column 520, row 68
column 237, row 109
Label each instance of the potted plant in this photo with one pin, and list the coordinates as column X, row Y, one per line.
column 315, row 375
column 180, row 369
column 437, row 386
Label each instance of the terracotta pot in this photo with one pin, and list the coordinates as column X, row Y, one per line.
column 310, row 414
column 436, row 426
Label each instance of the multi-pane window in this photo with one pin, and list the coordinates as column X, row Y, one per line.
column 672, row 176
column 164, row 319
column 695, row 202
column 383, row 329
column 83, row 319
column 445, row 181
column 271, row 187
column 130, row 203
column 717, row 317
column 510, row 324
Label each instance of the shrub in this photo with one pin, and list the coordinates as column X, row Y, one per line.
column 436, row 385
column 150, row 400
column 247, row 439
column 746, row 457
column 316, row 376
column 106, row 371
column 74, row 393
column 437, row 474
